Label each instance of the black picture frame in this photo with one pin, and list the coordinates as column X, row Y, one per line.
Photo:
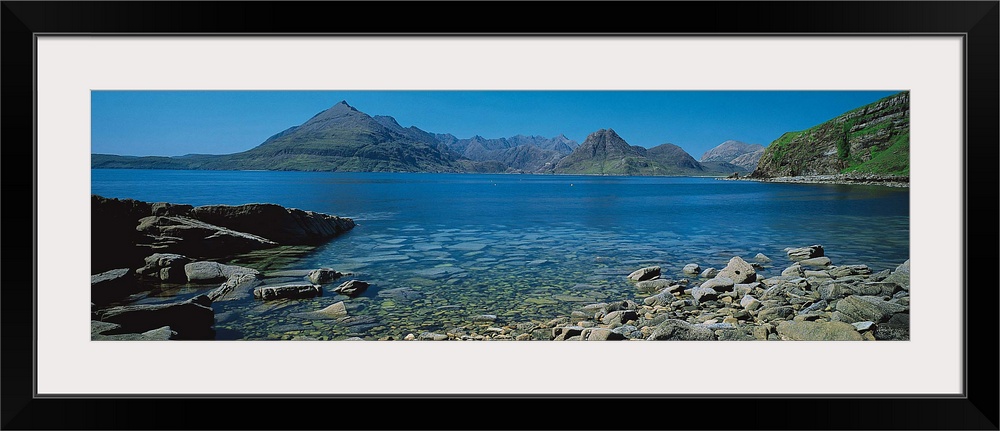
column 977, row 22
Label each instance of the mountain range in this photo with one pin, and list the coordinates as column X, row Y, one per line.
column 873, row 138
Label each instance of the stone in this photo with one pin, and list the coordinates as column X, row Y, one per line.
column 858, row 308
column 848, row 270
column 816, row 306
column 323, row 275
column 565, row 332
column 750, row 303
column 719, row 284
column 817, row 331
column 691, row 268
column 286, row 226
column 190, row 236
column 864, row 326
column 212, row 272
column 803, row 253
column 112, row 285
column 191, row 319
column 601, row 334
column 287, row 291
column 762, row 258
column 702, row 294
column 769, row 314
column 831, row 290
column 680, row 330
column 169, row 209
column 653, row 286
column 238, row 286
column 432, row 336
column 709, row 273
column 739, row 271
column 793, row 271
column 665, row 297
column 337, row 310
column 816, row 262
column 351, row 288
column 901, row 276
column 484, row 318
column 619, row 317
column 816, row 274
column 646, row 273
column 164, row 266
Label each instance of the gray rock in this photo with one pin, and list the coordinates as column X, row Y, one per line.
column 323, row 275
column 793, row 271
column 817, row 331
column 663, row 298
column 769, row 314
column 104, row 331
column 702, row 294
column 831, row 290
column 816, row 274
column 848, row 270
column 816, row 306
column 191, row 319
column 169, row 209
column 213, row 272
column 164, row 266
column 287, row 226
column 238, row 286
column 432, row 336
column 563, row 333
column 816, row 262
column 619, row 317
column 760, row 257
column 351, row 288
column 858, row 308
column 653, row 286
column 750, row 303
column 186, row 235
column 287, row 291
column 709, row 273
column 719, row 284
column 691, row 268
column 601, row 334
column 803, row 253
column 337, row 310
column 112, row 285
column 901, row 276
column 401, row 293
column 864, row 326
column 646, row 273
column 484, row 318
column 680, row 330
column 739, row 271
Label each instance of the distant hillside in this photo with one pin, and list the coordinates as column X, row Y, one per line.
column 532, row 154
column 736, row 153
column 604, row 152
column 874, row 138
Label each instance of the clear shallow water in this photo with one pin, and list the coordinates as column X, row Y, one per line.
column 526, row 248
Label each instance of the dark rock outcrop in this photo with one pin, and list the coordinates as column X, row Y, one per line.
column 190, row 319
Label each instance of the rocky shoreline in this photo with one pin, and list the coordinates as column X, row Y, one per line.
column 811, row 299
column 852, row 178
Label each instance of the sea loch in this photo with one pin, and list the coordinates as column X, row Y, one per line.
column 446, row 251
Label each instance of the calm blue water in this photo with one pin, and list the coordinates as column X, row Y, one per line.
column 528, row 247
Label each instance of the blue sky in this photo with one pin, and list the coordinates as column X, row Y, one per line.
column 173, row 123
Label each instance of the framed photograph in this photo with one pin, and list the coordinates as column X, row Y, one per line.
column 494, row 196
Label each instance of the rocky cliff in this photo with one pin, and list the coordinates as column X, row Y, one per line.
column 874, row 139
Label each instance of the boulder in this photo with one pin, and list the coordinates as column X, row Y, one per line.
column 858, row 308
column 739, row 271
column 848, row 270
column 287, row 291
column 287, row 226
column 336, row 310
column 691, row 268
column 901, row 276
column 239, row 285
column 323, row 275
column 680, row 330
column 213, row 272
column 351, row 288
column 169, row 209
column 817, row 331
column 619, row 317
column 601, row 334
column 709, row 273
column 768, row 314
column 653, row 286
column 762, row 258
column 719, row 284
column 702, row 294
column 191, row 319
column 563, row 333
column 112, row 285
column 165, row 266
column 803, row 253
column 793, row 271
column 185, row 235
column 816, row 262
column 646, row 273
column 105, row 331
column 750, row 303
column 432, row 336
